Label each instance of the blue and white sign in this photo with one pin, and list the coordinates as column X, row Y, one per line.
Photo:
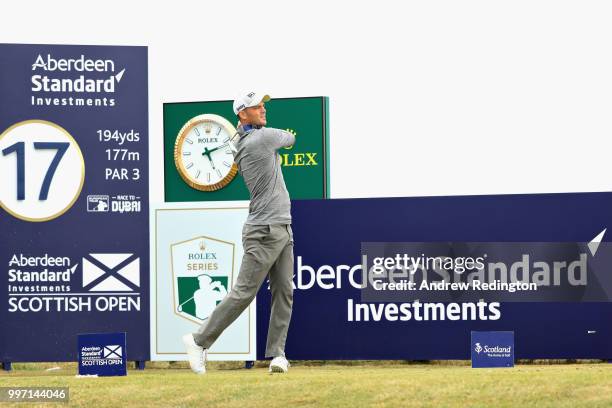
column 73, row 198
column 492, row 349
column 102, row 354
column 332, row 319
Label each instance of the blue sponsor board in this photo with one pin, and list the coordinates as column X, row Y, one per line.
column 331, row 320
column 102, row 354
column 74, row 252
column 492, row 349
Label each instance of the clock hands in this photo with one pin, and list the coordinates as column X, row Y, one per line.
column 208, row 152
column 217, row 148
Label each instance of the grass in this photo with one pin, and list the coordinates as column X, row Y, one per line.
column 391, row 384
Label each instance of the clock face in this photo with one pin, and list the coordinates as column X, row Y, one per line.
column 202, row 153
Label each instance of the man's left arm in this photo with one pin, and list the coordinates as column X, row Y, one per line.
column 277, row 138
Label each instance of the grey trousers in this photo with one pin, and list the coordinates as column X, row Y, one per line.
column 268, row 250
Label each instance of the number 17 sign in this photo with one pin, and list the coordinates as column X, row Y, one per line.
column 74, row 195
column 43, row 170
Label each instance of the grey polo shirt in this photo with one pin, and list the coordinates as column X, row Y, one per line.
column 260, row 165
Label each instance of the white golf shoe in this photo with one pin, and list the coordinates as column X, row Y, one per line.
column 279, row 365
column 196, row 354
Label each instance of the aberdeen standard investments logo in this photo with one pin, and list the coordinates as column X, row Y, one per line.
column 202, row 271
column 77, row 81
column 109, row 282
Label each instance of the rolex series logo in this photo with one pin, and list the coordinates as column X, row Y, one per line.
column 202, row 270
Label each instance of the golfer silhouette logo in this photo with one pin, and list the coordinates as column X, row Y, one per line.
column 102, row 206
column 206, row 297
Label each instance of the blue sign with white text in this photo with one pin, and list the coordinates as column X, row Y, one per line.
column 74, row 197
column 102, row 354
column 492, row 349
column 333, row 319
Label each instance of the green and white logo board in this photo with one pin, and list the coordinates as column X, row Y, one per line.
column 196, row 250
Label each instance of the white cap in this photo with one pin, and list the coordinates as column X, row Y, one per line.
column 248, row 100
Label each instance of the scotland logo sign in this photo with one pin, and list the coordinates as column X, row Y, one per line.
column 492, row 349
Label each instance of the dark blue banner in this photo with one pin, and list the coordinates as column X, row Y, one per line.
column 330, row 320
column 74, row 198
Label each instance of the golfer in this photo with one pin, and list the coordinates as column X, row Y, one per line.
column 266, row 237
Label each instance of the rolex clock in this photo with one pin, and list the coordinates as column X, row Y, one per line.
column 202, row 153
